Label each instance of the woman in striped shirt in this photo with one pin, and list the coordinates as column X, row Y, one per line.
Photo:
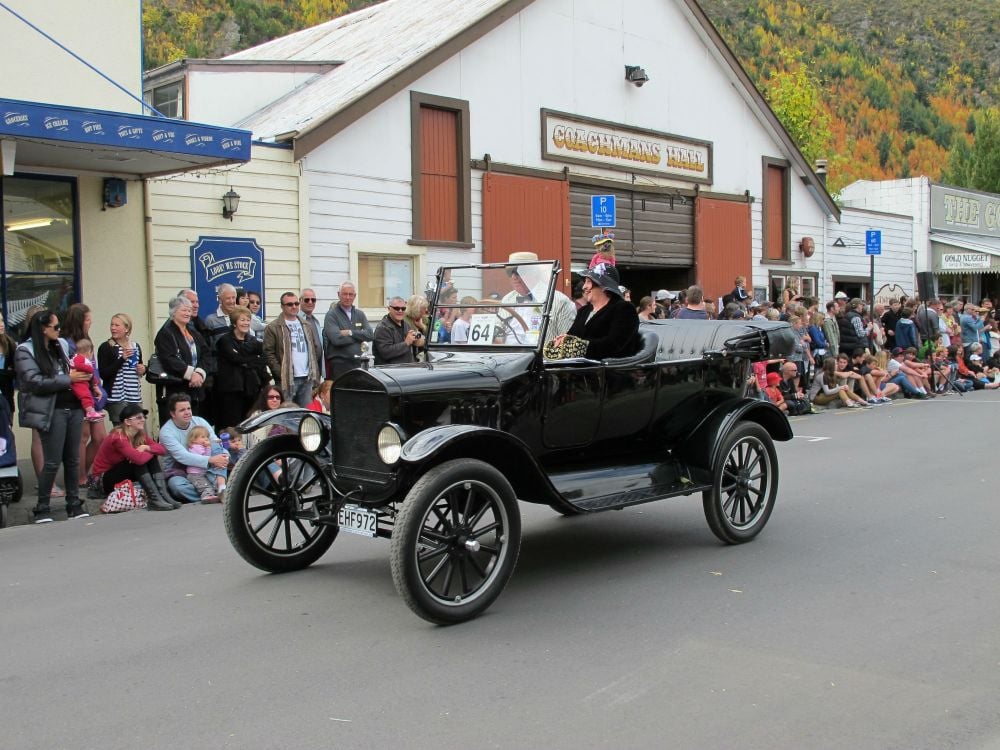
column 119, row 360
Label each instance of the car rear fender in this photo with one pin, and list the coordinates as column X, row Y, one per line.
column 702, row 447
column 499, row 449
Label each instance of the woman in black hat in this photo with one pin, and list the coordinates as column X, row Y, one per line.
column 608, row 323
column 129, row 453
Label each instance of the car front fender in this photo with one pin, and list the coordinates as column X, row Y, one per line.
column 701, row 449
column 500, row 449
column 290, row 418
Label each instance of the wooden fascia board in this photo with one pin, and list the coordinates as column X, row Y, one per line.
column 325, row 129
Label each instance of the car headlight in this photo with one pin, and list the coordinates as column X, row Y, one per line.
column 310, row 434
column 390, row 445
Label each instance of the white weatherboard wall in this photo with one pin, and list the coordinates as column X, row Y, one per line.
column 894, row 266
column 911, row 196
column 112, row 43
column 188, row 206
column 567, row 55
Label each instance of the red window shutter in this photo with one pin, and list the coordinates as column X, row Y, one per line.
column 439, row 184
column 721, row 245
column 774, row 213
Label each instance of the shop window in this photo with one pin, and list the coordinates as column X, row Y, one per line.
column 38, row 265
column 805, row 285
column 441, row 190
column 167, row 99
column 776, row 211
column 954, row 286
column 381, row 274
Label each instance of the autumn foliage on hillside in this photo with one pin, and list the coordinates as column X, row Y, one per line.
column 880, row 88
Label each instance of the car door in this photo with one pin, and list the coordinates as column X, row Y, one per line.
column 572, row 411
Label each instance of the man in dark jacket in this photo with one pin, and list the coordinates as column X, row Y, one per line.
column 394, row 337
column 852, row 328
column 345, row 327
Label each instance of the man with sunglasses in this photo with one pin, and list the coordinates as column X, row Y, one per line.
column 293, row 352
column 306, row 315
column 395, row 337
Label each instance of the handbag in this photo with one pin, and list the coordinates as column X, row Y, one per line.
column 156, row 375
column 571, row 346
column 124, row 497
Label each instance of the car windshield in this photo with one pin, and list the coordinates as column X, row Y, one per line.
column 498, row 305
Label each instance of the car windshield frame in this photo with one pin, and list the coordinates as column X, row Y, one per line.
column 501, row 322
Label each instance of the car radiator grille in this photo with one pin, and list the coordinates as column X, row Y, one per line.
column 357, row 418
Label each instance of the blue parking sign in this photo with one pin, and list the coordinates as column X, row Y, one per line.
column 873, row 242
column 602, row 211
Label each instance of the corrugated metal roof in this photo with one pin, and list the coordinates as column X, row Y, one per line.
column 375, row 44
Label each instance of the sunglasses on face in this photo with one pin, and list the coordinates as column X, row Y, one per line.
column 274, row 397
column 308, row 299
column 55, row 327
column 254, row 302
column 289, row 304
column 397, row 309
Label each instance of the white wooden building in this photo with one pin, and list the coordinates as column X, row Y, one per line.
column 458, row 130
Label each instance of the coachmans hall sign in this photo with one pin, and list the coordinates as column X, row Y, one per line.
column 965, row 211
column 581, row 140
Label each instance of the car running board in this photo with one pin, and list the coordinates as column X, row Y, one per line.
column 621, row 486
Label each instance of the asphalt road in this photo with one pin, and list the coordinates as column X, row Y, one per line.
column 865, row 616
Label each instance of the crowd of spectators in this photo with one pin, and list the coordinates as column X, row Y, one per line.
column 848, row 354
column 211, row 373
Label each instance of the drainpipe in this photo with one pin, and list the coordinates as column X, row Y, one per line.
column 147, row 224
column 821, row 174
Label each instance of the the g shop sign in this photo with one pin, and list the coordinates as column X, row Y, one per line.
column 965, row 211
column 580, row 140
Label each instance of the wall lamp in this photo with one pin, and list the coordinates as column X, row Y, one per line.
column 635, row 75
column 230, row 204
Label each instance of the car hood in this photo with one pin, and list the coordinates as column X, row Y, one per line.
column 451, row 372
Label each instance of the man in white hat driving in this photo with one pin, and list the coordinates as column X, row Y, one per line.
column 530, row 284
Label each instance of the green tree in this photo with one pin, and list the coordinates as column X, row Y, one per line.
column 978, row 166
column 884, row 149
column 795, row 98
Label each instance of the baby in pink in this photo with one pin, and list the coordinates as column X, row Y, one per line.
column 86, row 390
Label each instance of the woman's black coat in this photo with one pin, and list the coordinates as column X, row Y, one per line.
column 612, row 332
column 175, row 356
column 242, row 368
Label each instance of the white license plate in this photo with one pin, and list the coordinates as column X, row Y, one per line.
column 357, row 520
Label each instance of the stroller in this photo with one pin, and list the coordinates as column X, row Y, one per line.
column 11, row 486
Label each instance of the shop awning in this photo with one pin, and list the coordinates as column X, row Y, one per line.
column 75, row 139
column 963, row 253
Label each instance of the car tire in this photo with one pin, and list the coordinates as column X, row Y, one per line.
column 4, row 515
column 273, row 493
column 744, row 484
column 455, row 541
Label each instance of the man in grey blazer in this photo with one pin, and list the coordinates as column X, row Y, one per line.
column 345, row 327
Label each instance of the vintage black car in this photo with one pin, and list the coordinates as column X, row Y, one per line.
column 436, row 455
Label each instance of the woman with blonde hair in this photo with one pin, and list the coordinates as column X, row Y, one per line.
column 417, row 308
column 119, row 360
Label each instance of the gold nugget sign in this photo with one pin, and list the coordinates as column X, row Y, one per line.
column 579, row 140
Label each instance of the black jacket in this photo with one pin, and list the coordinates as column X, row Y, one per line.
column 38, row 392
column 390, row 346
column 849, row 340
column 241, row 366
column 612, row 332
column 175, row 356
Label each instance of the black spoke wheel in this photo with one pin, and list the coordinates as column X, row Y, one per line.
column 274, row 493
column 744, row 485
column 455, row 541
